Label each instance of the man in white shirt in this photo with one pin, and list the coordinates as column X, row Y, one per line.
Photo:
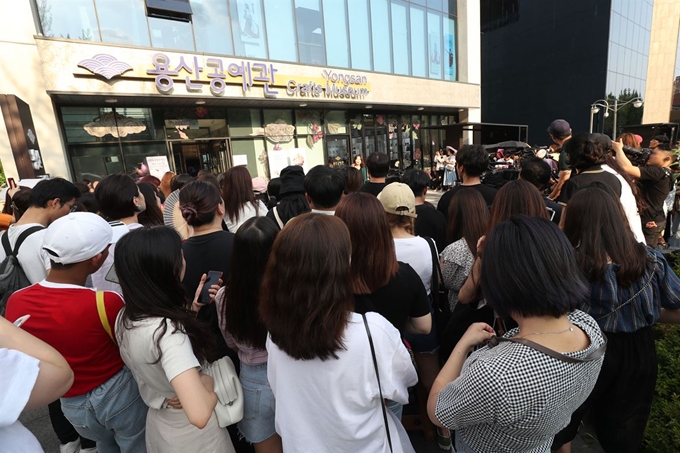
column 323, row 189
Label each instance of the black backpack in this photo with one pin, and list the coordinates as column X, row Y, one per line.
column 12, row 276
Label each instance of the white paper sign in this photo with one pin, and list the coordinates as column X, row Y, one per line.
column 158, row 165
column 240, row 159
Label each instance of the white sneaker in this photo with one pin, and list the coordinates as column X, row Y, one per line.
column 71, row 447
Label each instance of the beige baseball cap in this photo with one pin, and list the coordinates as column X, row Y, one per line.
column 398, row 199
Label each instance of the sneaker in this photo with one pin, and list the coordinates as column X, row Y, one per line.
column 71, row 447
column 444, row 439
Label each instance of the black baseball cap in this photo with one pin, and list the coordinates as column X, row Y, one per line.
column 559, row 129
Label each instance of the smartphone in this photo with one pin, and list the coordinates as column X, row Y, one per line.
column 213, row 278
column 111, row 276
column 21, row 320
column 12, row 183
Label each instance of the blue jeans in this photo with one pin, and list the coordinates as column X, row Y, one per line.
column 259, row 405
column 113, row 414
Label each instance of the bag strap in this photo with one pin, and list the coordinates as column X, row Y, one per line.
column 278, row 218
column 437, row 276
column 101, row 309
column 20, row 240
column 592, row 356
column 377, row 375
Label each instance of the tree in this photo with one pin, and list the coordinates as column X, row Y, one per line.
column 627, row 116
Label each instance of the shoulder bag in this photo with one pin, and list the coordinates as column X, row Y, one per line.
column 377, row 376
column 229, row 408
column 440, row 295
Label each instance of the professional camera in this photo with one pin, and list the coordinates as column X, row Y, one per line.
column 637, row 156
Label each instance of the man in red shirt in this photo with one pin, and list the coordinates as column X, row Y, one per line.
column 104, row 403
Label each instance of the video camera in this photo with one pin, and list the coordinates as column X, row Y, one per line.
column 637, row 156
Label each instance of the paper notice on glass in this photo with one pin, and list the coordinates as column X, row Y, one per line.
column 158, row 165
column 240, row 159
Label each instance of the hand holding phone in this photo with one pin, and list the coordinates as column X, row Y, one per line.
column 213, row 278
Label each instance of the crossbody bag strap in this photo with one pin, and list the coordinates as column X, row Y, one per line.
column 436, row 269
column 377, row 375
column 594, row 355
column 101, row 310
column 278, row 218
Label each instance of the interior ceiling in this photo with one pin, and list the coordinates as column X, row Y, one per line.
column 67, row 99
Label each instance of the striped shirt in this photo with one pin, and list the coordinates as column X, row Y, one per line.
column 617, row 309
column 248, row 355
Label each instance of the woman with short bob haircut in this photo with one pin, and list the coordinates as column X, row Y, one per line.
column 164, row 345
column 243, row 330
column 239, row 199
column 317, row 346
column 516, row 393
column 631, row 288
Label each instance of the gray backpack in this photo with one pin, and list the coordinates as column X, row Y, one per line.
column 12, row 276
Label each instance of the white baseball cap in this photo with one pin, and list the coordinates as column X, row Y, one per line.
column 77, row 237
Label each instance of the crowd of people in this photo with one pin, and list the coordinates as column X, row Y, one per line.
column 230, row 314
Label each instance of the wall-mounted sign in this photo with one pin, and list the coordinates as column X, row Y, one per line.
column 158, row 165
column 215, row 74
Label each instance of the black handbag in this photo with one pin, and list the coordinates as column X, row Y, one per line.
column 439, row 294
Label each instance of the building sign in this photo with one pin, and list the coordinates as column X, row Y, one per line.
column 215, row 74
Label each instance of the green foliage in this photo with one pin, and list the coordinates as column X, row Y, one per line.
column 663, row 428
column 627, row 116
column 3, row 178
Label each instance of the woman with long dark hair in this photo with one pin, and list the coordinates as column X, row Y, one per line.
column 152, row 215
column 240, row 203
column 323, row 359
column 515, row 393
column 241, row 325
column 164, row 345
column 291, row 199
column 631, row 287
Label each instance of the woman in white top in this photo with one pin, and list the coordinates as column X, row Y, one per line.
column 164, row 345
column 321, row 368
column 240, row 203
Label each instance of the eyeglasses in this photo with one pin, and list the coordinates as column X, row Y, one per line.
column 71, row 207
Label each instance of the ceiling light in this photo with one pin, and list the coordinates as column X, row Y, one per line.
column 421, row 108
column 303, row 105
column 369, row 106
column 111, row 100
column 200, row 102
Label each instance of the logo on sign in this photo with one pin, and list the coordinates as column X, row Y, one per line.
column 105, row 66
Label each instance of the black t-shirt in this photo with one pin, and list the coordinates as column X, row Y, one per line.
column 432, row 224
column 655, row 185
column 374, row 188
column 403, row 297
column 563, row 164
column 554, row 210
column 488, row 192
column 209, row 252
column 586, row 178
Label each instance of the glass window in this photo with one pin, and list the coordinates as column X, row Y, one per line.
column 400, row 44
column 93, row 162
column 336, row 122
column 171, row 34
column 308, row 122
column 380, row 29
column 243, row 122
column 450, row 7
column 137, row 124
column 434, row 28
column 418, row 42
column 281, row 26
column 135, row 153
column 123, row 22
column 89, row 124
column 435, row 4
column 248, row 29
column 450, row 54
column 310, row 32
column 359, row 34
column 337, row 151
column 212, row 26
column 72, row 19
column 255, row 155
column 335, row 25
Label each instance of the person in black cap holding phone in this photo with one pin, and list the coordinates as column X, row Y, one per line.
column 560, row 132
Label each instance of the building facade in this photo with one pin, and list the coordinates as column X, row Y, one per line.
column 113, row 85
column 543, row 60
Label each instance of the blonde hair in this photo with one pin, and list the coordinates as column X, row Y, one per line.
column 401, row 221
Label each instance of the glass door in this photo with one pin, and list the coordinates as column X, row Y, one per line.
column 337, row 151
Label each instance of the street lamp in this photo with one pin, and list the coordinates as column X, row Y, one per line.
column 602, row 103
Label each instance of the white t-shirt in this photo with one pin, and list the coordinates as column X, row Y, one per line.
column 334, row 405
column 629, row 205
column 99, row 280
column 416, row 252
column 248, row 211
column 18, row 374
column 34, row 261
column 138, row 351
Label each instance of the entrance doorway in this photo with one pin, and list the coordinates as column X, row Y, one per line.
column 192, row 156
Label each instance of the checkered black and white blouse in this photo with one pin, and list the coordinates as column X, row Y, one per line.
column 514, row 399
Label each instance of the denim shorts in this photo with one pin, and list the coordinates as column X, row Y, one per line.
column 427, row 343
column 259, row 405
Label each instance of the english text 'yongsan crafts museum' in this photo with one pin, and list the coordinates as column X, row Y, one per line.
column 94, row 87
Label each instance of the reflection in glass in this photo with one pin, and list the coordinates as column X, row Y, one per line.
column 171, row 34
column 359, row 30
column 212, row 27
column 135, row 153
column 76, row 118
column 123, row 22
column 310, row 32
column 71, row 19
column 281, row 29
column 248, row 29
column 418, row 42
column 335, row 23
column 434, row 28
column 380, row 29
column 400, row 44
column 93, row 162
column 450, row 54
column 337, row 151
column 254, row 153
column 243, row 122
column 335, row 122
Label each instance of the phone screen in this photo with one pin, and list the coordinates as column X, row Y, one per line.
column 213, row 278
column 111, row 275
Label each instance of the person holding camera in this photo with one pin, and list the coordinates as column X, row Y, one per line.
column 656, row 182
